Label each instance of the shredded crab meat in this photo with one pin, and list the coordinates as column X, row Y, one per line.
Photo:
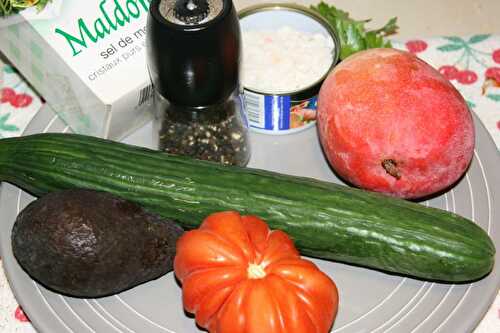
column 284, row 60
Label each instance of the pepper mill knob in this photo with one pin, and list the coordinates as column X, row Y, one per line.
column 191, row 11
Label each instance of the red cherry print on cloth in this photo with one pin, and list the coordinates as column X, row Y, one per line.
column 496, row 56
column 20, row 315
column 493, row 73
column 7, row 95
column 416, row 46
column 449, row 72
column 21, row 101
column 467, row 77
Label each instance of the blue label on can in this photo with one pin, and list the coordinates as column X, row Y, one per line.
column 268, row 112
column 279, row 113
column 284, row 112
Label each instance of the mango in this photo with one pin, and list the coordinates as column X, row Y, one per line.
column 389, row 122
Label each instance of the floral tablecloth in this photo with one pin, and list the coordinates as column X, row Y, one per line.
column 472, row 63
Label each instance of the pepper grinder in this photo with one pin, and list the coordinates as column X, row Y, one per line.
column 194, row 52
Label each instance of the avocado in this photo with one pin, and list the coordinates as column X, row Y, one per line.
column 86, row 243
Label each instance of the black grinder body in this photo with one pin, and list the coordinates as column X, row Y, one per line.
column 194, row 65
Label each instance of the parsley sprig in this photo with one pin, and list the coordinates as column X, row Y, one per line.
column 353, row 35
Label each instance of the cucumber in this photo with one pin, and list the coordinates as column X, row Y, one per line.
column 325, row 220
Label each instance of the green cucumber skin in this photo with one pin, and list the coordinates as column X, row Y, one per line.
column 325, row 220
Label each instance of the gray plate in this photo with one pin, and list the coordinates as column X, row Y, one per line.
column 370, row 301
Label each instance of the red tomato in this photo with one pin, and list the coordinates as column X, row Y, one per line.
column 239, row 277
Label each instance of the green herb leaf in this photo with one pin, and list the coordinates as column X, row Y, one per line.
column 373, row 40
column 455, row 39
column 478, row 38
column 353, row 35
column 494, row 97
column 450, row 47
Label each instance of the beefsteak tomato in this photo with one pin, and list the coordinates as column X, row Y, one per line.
column 240, row 277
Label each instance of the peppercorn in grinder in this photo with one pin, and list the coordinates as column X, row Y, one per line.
column 194, row 52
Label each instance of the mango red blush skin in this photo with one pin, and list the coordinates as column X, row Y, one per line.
column 391, row 123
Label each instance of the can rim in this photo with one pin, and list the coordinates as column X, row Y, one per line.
column 305, row 11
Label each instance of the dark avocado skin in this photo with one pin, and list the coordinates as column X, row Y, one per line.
column 86, row 243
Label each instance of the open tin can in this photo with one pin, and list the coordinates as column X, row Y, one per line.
column 285, row 112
